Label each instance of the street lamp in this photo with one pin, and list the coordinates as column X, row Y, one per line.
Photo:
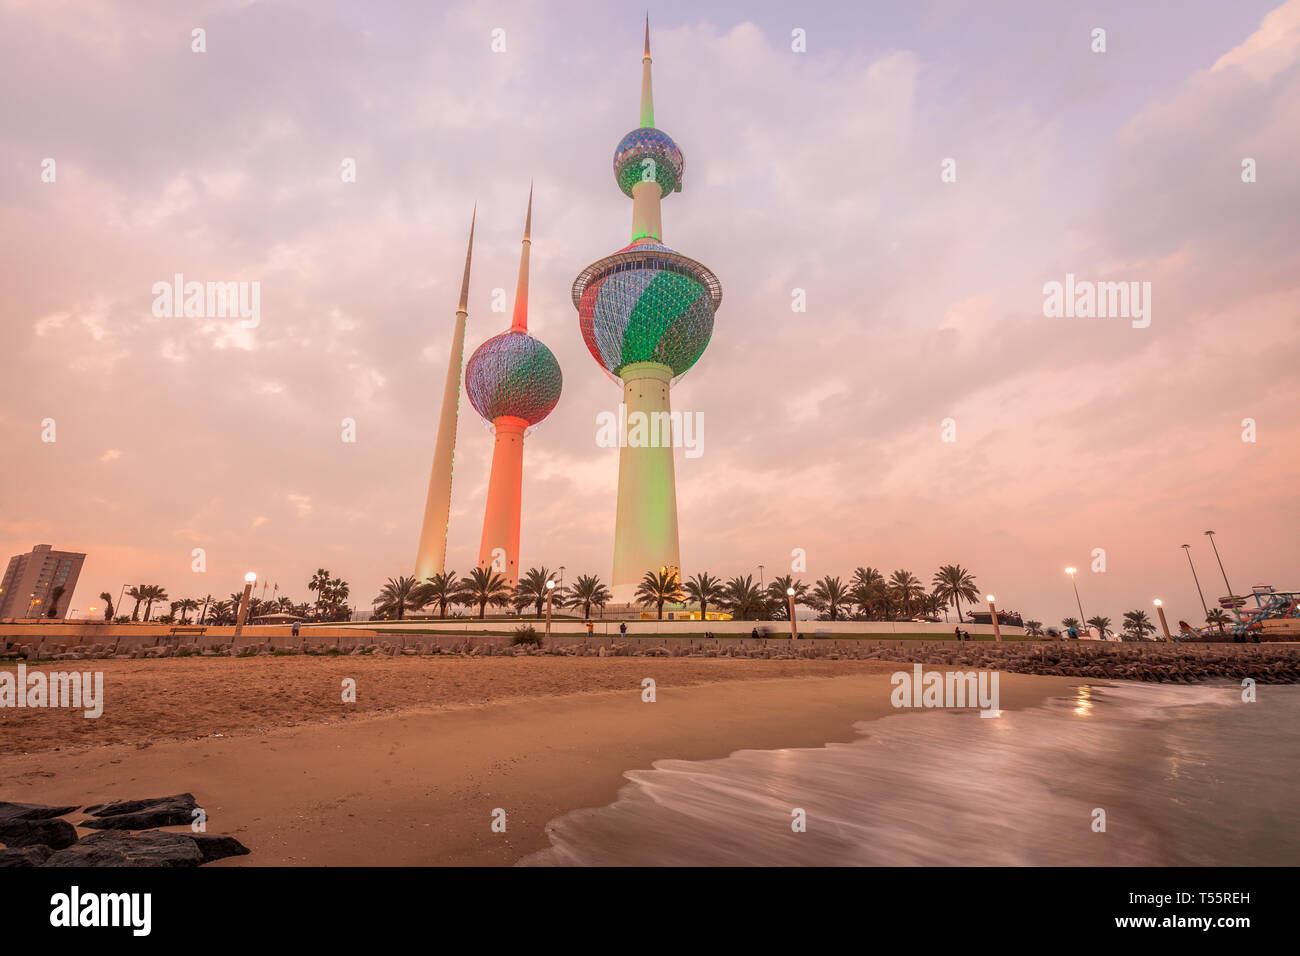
column 794, row 629
column 1231, row 597
column 550, row 592
column 1187, row 548
column 993, row 613
column 760, row 577
column 1164, row 625
column 249, row 578
column 1072, row 572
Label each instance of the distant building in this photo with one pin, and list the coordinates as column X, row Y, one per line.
column 32, row 578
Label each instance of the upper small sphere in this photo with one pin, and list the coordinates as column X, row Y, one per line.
column 515, row 375
column 647, row 154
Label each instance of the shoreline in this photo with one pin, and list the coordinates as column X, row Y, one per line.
column 419, row 786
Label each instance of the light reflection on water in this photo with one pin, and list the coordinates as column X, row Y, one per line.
column 1186, row 774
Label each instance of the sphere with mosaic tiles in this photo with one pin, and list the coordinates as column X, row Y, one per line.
column 513, row 375
column 646, row 303
column 647, row 154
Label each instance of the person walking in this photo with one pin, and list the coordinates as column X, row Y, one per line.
column 622, row 629
column 591, row 628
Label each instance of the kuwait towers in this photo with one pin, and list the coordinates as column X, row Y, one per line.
column 646, row 314
column 514, row 382
column 431, row 555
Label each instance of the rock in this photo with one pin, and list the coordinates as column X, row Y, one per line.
column 142, row 814
column 26, row 856
column 113, row 848
column 55, row 834
column 31, row 811
column 218, row 847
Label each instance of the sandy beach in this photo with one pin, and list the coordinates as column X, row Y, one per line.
column 411, row 773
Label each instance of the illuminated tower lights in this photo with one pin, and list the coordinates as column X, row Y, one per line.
column 514, row 382
column 646, row 314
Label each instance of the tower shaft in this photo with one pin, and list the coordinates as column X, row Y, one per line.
column 431, row 553
column 499, row 548
column 645, row 530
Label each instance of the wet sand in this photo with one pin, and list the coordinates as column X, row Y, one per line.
column 411, row 773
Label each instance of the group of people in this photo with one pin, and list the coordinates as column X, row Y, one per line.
column 960, row 634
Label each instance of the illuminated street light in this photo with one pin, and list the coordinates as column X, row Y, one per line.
column 1072, row 572
column 794, row 629
column 993, row 613
column 1164, row 625
column 249, row 578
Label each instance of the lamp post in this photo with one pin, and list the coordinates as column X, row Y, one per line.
column 1164, row 625
column 1187, row 548
column 1231, row 597
column 249, row 580
column 550, row 592
column 760, row 577
column 993, row 612
column 794, row 628
column 1072, row 572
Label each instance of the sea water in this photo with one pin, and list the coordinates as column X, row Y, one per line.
column 1115, row 774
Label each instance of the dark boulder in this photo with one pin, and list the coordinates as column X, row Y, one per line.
column 56, row 834
column 177, row 809
column 114, row 848
column 30, row 811
column 26, row 856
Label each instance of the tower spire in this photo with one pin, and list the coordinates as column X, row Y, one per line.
column 520, row 321
column 431, row 553
column 647, row 94
column 464, row 282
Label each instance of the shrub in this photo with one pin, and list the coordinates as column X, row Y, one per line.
column 526, row 634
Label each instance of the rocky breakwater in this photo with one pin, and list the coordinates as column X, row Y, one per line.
column 35, row 835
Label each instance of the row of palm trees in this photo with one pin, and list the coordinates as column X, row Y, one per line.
column 1136, row 624
column 331, row 604
column 867, row 595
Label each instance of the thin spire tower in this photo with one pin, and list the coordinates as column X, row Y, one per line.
column 431, row 555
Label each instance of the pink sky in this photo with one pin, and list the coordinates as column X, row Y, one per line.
column 818, row 171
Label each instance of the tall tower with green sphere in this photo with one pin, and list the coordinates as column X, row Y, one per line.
column 646, row 314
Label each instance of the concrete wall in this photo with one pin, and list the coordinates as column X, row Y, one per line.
column 668, row 628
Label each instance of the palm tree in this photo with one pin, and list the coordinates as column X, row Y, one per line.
column 204, row 613
column 952, row 582
column 906, row 588
column 828, row 597
column 1138, row 624
column 586, row 591
column 221, row 612
column 1070, row 622
column 1100, row 623
column 704, row 588
column 397, row 597
column 136, row 592
column 867, row 591
column 186, row 605
column 532, row 589
column 1034, row 628
column 108, row 604
column 442, row 589
column 56, row 595
column 779, row 600
column 1217, row 616
column 743, row 598
column 657, row 587
column 152, row 592
column 482, row 587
